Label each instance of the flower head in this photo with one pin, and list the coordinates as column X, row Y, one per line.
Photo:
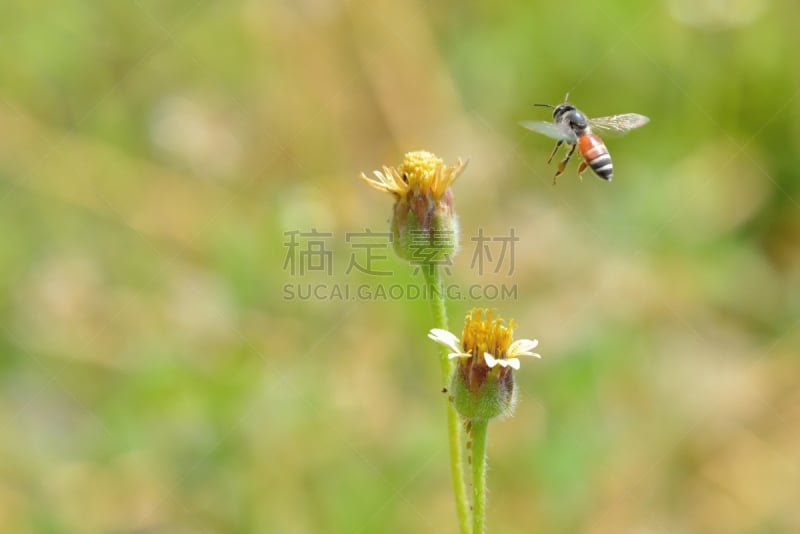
column 421, row 172
column 424, row 227
column 483, row 382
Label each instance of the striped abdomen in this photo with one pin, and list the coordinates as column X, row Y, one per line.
column 595, row 153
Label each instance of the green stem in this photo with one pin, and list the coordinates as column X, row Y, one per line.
column 435, row 290
column 479, row 438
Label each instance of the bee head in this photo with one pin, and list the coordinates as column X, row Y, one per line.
column 561, row 109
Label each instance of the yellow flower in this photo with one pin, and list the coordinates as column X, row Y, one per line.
column 483, row 382
column 424, row 228
column 420, row 173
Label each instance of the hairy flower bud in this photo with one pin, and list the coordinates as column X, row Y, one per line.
column 424, row 226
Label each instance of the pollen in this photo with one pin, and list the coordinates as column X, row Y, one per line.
column 484, row 333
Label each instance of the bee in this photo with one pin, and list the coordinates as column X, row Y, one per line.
column 571, row 126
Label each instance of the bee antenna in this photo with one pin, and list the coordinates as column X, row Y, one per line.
column 545, row 105
column 566, row 98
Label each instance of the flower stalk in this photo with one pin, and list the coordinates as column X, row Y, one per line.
column 439, row 309
column 480, row 435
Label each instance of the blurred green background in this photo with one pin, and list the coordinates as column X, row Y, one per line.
column 155, row 156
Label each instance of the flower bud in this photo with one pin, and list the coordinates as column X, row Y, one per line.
column 424, row 226
column 482, row 393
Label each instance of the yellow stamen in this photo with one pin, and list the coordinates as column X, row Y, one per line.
column 482, row 334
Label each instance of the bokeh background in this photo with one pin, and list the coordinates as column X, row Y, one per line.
column 156, row 158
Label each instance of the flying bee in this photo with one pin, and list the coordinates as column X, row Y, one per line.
column 572, row 127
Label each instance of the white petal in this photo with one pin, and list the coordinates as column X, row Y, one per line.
column 448, row 339
column 454, row 355
column 513, row 363
column 518, row 354
column 523, row 346
column 490, row 360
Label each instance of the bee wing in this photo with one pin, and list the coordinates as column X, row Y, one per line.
column 551, row 129
column 619, row 124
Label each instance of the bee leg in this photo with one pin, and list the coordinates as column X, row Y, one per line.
column 563, row 163
column 582, row 168
column 553, row 153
